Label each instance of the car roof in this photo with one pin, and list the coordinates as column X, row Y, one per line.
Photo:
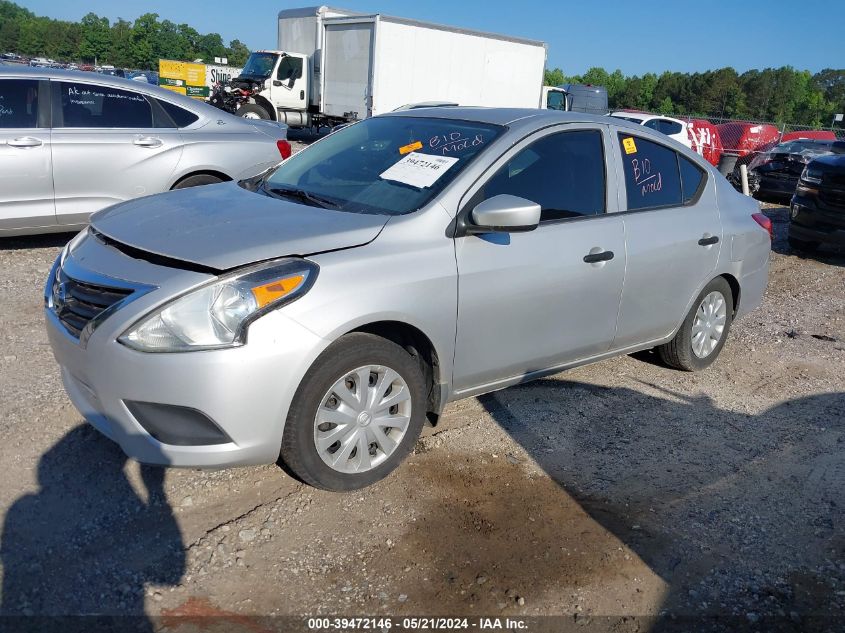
column 501, row 116
column 30, row 72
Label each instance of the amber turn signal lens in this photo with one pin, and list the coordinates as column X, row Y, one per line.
column 266, row 294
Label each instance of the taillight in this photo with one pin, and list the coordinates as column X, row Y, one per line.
column 763, row 220
column 284, row 149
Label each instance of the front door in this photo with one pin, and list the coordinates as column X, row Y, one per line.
column 530, row 301
column 289, row 86
column 26, row 178
column 107, row 148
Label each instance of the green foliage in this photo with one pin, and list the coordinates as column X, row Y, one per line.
column 126, row 44
column 781, row 95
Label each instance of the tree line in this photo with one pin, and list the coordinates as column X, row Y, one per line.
column 780, row 95
column 124, row 44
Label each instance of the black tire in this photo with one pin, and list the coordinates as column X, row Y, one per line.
column 299, row 453
column 678, row 352
column 251, row 108
column 197, row 181
column 802, row 246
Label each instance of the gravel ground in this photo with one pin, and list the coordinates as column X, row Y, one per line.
column 618, row 489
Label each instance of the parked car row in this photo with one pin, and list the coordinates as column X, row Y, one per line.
column 72, row 143
column 698, row 134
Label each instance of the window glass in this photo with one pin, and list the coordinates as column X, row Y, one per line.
column 382, row 165
column 691, row 177
column 664, row 126
column 289, row 67
column 180, row 116
column 555, row 101
column 651, row 173
column 89, row 105
column 563, row 173
column 18, row 103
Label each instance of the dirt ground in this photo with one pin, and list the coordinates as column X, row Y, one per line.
column 618, row 489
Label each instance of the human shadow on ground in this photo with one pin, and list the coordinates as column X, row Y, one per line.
column 87, row 543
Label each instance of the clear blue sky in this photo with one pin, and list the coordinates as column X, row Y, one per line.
column 636, row 37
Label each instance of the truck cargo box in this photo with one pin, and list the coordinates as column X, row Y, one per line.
column 371, row 64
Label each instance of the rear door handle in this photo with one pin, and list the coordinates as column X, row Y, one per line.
column 25, row 141
column 147, row 141
column 708, row 241
column 593, row 258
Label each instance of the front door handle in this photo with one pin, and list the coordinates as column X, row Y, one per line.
column 708, row 241
column 594, row 258
column 25, row 141
column 147, row 141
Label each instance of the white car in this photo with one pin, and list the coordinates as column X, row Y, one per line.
column 673, row 128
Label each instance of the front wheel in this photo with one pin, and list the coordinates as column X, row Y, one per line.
column 252, row 111
column 704, row 331
column 356, row 415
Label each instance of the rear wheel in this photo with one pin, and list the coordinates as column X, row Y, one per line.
column 704, row 331
column 803, row 246
column 197, row 180
column 356, row 415
column 252, row 111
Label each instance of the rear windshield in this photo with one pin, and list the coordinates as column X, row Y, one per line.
column 385, row 165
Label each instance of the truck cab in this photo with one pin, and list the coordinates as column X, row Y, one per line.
column 283, row 81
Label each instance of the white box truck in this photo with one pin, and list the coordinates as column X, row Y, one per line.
column 333, row 66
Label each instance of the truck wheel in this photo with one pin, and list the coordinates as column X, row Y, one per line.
column 252, row 111
column 356, row 415
column 703, row 333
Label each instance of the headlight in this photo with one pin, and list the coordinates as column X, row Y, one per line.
column 811, row 174
column 217, row 315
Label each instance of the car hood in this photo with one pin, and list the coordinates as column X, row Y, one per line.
column 225, row 226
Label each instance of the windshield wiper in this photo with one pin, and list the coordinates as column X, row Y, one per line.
column 304, row 196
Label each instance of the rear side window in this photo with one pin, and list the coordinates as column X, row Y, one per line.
column 652, row 178
column 563, row 173
column 181, row 117
column 18, row 103
column 691, row 178
column 664, row 126
column 89, row 105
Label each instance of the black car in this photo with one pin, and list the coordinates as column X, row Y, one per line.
column 817, row 210
column 773, row 175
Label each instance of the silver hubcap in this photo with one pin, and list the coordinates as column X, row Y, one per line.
column 250, row 115
column 362, row 419
column 709, row 324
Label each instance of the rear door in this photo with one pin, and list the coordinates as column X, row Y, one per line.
column 26, row 182
column 347, row 69
column 673, row 235
column 109, row 145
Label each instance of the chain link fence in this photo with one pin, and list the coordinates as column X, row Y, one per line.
column 729, row 143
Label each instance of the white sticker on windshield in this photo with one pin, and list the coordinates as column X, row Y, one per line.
column 419, row 170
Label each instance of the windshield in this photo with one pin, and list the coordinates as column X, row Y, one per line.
column 259, row 65
column 385, row 165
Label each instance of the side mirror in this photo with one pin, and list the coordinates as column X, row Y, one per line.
column 504, row 214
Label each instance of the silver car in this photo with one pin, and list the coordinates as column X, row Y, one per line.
column 323, row 313
column 72, row 143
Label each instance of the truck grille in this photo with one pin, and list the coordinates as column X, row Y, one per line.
column 833, row 197
column 77, row 303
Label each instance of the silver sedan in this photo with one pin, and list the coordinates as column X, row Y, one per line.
column 72, row 143
column 324, row 312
